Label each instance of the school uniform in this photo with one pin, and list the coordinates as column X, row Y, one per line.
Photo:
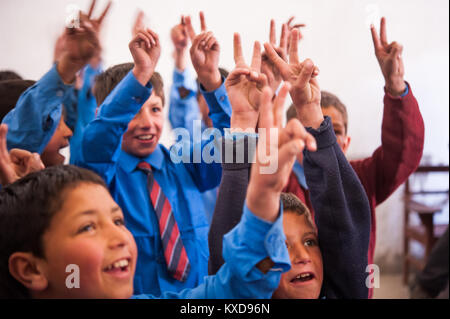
column 33, row 121
column 85, row 110
column 181, row 183
column 182, row 114
column 402, row 138
column 251, row 241
column 342, row 213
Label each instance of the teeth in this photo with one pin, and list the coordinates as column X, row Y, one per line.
column 145, row 137
column 118, row 264
column 302, row 276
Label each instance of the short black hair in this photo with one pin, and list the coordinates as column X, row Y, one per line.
column 10, row 92
column 106, row 82
column 26, row 210
column 9, row 75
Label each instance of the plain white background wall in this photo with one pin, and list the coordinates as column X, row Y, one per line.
column 337, row 38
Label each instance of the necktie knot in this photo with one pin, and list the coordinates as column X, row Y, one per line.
column 144, row 166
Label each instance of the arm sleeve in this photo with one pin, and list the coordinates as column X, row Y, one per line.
column 342, row 216
column 231, row 195
column 207, row 175
column 250, row 242
column 33, row 121
column 183, row 111
column 103, row 136
column 402, row 140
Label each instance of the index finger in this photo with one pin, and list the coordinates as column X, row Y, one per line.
column 238, row 57
column 277, row 60
column 189, row 28
column 202, row 21
column 105, row 12
column 383, row 36
column 375, row 39
column 273, row 35
column 293, row 47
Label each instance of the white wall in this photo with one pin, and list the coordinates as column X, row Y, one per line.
column 337, row 38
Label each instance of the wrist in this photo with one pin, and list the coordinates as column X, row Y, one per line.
column 310, row 115
column 242, row 125
column 180, row 59
column 211, row 81
column 264, row 203
column 67, row 69
column 143, row 76
column 395, row 87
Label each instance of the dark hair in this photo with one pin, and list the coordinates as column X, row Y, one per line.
column 328, row 100
column 10, row 92
column 223, row 72
column 291, row 113
column 107, row 81
column 9, row 75
column 26, row 209
column 292, row 204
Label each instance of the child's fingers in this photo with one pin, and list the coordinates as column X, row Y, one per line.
column 189, row 27
column 280, row 99
column 91, row 9
column 237, row 49
column 202, row 21
column 383, row 36
column 284, row 37
column 256, row 59
column 293, row 48
column 212, row 41
column 105, row 12
column 235, row 76
column 266, row 120
column 306, row 73
column 272, row 35
column 280, row 64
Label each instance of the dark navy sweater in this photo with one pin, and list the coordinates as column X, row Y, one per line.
column 342, row 213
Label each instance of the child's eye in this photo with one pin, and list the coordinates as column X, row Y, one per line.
column 310, row 242
column 287, row 244
column 87, row 228
column 156, row 109
column 119, row 222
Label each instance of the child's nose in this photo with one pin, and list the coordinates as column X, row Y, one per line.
column 300, row 254
column 117, row 237
column 67, row 131
column 145, row 119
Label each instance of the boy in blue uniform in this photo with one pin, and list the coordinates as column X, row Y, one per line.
column 75, row 222
column 38, row 122
column 121, row 145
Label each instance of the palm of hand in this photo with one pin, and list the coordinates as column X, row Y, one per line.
column 303, row 92
column 144, row 56
column 205, row 59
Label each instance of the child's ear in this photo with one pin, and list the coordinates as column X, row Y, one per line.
column 346, row 144
column 27, row 269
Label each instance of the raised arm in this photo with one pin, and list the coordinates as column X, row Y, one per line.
column 102, row 137
column 402, row 135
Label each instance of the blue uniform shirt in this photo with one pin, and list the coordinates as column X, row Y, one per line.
column 251, row 241
column 181, row 183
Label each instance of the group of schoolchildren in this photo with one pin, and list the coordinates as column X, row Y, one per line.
column 136, row 224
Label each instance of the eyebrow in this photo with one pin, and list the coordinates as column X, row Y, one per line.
column 310, row 233
column 93, row 211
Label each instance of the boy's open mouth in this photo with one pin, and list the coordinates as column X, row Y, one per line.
column 119, row 267
column 148, row 138
column 303, row 278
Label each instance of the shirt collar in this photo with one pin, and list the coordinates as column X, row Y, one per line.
column 129, row 162
column 300, row 174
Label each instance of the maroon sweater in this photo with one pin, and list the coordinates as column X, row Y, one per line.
column 402, row 139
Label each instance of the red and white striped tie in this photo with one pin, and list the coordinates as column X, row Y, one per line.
column 174, row 252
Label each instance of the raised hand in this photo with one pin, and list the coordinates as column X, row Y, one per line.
column 263, row 192
column 267, row 67
column 16, row 163
column 305, row 91
column 80, row 44
column 291, row 27
column 389, row 56
column 180, row 41
column 139, row 23
column 205, row 53
column 244, row 86
column 145, row 49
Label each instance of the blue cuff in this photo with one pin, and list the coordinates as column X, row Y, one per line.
column 260, row 239
column 217, row 100
column 406, row 90
column 185, row 79
column 129, row 92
